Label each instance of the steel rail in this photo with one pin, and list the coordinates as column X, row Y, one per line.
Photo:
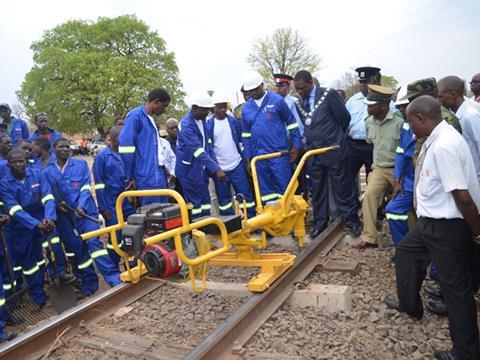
column 37, row 341
column 226, row 341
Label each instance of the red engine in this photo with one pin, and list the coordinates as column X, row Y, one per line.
column 160, row 261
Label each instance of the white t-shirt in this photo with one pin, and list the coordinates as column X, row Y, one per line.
column 470, row 122
column 161, row 158
column 200, row 127
column 259, row 101
column 448, row 166
column 224, row 146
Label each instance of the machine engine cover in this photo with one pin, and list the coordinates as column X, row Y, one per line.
column 161, row 261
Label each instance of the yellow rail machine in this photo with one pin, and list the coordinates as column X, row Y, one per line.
column 162, row 240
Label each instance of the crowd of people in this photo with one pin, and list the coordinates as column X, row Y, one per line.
column 419, row 146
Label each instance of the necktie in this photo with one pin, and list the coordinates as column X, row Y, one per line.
column 418, row 169
column 306, row 103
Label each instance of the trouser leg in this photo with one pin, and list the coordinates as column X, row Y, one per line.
column 193, row 194
column 319, row 181
column 265, row 181
column 411, row 262
column 99, row 254
column 450, row 244
column 397, row 215
column 224, row 195
column 162, row 184
column 379, row 182
column 78, row 254
column 205, row 197
column 238, row 177
column 341, row 186
column 282, row 173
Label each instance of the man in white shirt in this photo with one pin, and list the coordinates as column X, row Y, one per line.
column 450, row 95
column 226, row 135
column 448, row 196
column 475, row 87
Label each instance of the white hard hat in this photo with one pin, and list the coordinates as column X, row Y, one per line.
column 201, row 99
column 401, row 95
column 219, row 97
column 252, row 80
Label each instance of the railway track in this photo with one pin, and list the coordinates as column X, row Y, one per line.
column 225, row 342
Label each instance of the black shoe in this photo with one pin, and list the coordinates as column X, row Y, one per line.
column 392, row 303
column 315, row 233
column 356, row 230
column 9, row 337
column 437, row 308
column 68, row 278
column 392, row 258
column 444, row 355
column 433, row 292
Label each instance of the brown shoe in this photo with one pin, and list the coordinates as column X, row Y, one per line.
column 364, row 245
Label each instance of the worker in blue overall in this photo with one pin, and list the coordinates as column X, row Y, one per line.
column 195, row 158
column 16, row 128
column 42, row 154
column 139, row 147
column 225, row 133
column 266, row 121
column 110, row 181
column 5, row 146
column 71, row 186
column 326, row 121
column 404, row 174
column 43, row 131
column 27, row 195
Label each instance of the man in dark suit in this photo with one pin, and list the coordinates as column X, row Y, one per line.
column 326, row 120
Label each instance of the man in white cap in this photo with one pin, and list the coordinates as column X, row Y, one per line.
column 195, row 158
column 225, row 132
column 266, row 120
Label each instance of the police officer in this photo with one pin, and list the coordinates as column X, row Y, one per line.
column 41, row 121
column 110, row 181
column 195, row 158
column 326, row 119
column 383, row 131
column 225, row 132
column 16, row 128
column 267, row 124
column 27, row 195
column 139, row 146
column 71, row 186
column 282, row 83
column 360, row 152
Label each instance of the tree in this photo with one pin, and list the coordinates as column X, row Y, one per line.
column 86, row 73
column 285, row 51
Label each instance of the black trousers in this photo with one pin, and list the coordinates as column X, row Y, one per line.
column 332, row 169
column 448, row 242
column 359, row 153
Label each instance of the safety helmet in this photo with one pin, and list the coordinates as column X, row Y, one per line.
column 252, row 80
column 201, row 99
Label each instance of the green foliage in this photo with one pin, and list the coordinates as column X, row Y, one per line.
column 285, row 51
column 86, row 73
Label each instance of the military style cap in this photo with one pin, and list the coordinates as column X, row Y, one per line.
column 5, row 107
column 366, row 72
column 420, row 87
column 281, row 79
column 377, row 93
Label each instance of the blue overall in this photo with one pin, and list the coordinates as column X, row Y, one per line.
column 19, row 130
column 28, row 203
column 110, row 182
column 54, row 135
column 73, row 186
column 264, row 131
column 195, row 163
column 397, row 209
column 236, row 177
column 138, row 149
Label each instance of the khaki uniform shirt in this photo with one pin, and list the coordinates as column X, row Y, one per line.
column 385, row 137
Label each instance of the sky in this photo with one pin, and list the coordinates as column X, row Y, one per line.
column 409, row 39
